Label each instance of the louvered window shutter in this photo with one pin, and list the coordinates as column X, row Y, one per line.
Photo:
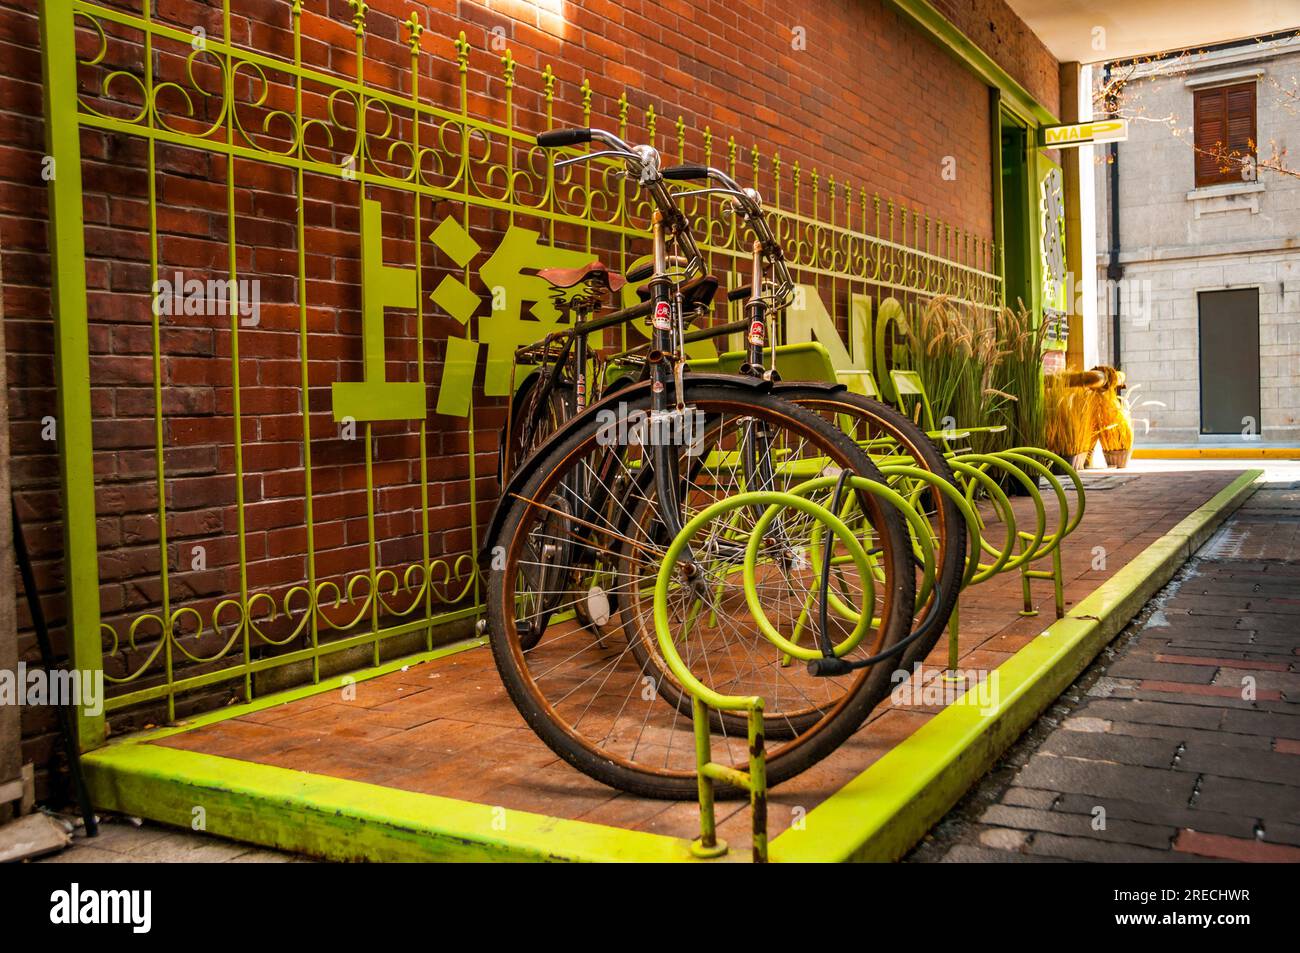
column 1241, row 123
column 1224, row 128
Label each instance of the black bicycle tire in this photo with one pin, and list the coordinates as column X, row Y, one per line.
column 521, row 404
column 780, row 727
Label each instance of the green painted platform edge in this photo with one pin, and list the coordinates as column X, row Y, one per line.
column 338, row 819
column 343, row 820
column 334, row 818
column 883, row 812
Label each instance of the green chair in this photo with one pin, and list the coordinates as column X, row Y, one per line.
column 805, row 361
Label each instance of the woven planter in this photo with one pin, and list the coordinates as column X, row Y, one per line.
column 1079, row 460
column 1118, row 458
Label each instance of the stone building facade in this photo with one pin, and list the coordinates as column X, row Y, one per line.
column 1182, row 246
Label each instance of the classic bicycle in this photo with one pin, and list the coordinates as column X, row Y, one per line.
column 585, row 518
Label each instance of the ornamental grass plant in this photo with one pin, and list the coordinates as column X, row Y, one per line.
column 955, row 352
column 980, row 368
column 1021, row 373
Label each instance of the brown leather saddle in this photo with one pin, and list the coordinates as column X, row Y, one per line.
column 595, row 274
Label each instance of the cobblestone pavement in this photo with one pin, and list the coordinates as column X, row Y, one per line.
column 1182, row 743
column 122, row 841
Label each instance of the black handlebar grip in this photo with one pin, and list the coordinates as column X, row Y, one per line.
column 563, row 137
column 686, row 172
column 740, row 294
column 641, row 272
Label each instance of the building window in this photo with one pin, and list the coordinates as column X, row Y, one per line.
column 1225, row 134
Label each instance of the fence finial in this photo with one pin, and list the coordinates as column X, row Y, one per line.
column 462, row 52
column 359, row 11
column 414, row 28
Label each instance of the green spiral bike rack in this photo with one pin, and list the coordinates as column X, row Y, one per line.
column 703, row 697
column 1018, row 551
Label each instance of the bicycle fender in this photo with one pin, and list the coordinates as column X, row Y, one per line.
column 827, row 386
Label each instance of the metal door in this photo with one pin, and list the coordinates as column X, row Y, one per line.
column 1229, row 349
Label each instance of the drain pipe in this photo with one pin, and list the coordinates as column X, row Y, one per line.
column 1114, row 270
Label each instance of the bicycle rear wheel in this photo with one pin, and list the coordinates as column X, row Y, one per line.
column 533, row 419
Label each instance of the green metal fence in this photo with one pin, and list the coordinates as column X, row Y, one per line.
column 483, row 209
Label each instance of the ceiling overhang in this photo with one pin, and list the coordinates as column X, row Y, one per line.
column 1092, row 31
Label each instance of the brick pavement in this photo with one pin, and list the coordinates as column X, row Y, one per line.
column 1183, row 745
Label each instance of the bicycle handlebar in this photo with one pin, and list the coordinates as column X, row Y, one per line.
column 643, row 164
column 683, row 173
column 750, row 205
column 640, row 273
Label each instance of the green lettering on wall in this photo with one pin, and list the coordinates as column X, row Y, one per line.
column 457, row 377
column 382, row 286
column 808, row 320
column 891, row 314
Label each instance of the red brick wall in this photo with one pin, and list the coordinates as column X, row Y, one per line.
column 869, row 99
column 997, row 30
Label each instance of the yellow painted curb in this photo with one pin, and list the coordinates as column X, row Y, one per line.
column 338, row 819
column 1216, row 453
column 335, row 818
